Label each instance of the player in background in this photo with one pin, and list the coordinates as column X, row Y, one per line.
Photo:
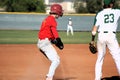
column 69, row 27
column 106, row 23
column 47, row 35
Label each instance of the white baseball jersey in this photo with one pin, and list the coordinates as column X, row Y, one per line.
column 107, row 19
column 70, row 23
column 107, row 22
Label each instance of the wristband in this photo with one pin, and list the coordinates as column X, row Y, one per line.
column 93, row 32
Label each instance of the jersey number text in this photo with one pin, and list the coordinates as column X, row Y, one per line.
column 108, row 18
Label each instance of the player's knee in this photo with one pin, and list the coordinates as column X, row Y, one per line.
column 56, row 61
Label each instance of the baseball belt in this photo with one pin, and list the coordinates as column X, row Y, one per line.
column 106, row 31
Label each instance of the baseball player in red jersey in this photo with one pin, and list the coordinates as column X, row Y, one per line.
column 48, row 35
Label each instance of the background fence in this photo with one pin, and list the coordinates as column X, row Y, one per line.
column 23, row 28
column 32, row 22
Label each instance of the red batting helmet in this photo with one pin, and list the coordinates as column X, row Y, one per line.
column 56, row 9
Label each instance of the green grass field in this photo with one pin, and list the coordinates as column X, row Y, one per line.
column 30, row 37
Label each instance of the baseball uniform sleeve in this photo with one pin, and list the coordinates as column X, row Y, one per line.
column 54, row 28
column 96, row 22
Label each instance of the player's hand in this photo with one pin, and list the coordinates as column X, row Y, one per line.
column 59, row 43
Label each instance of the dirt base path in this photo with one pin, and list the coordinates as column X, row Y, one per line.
column 25, row 62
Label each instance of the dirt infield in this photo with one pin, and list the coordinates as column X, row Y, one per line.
column 25, row 62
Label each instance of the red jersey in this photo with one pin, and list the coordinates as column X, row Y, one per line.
column 48, row 28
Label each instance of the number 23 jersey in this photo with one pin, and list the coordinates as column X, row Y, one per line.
column 107, row 19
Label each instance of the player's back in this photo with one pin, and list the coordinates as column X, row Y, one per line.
column 108, row 19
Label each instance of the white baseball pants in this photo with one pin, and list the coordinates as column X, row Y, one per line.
column 46, row 46
column 107, row 40
column 69, row 28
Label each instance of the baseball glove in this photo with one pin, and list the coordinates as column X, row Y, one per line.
column 58, row 43
column 92, row 48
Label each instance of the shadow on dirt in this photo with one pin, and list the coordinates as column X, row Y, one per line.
column 69, row 78
column 111, row 78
